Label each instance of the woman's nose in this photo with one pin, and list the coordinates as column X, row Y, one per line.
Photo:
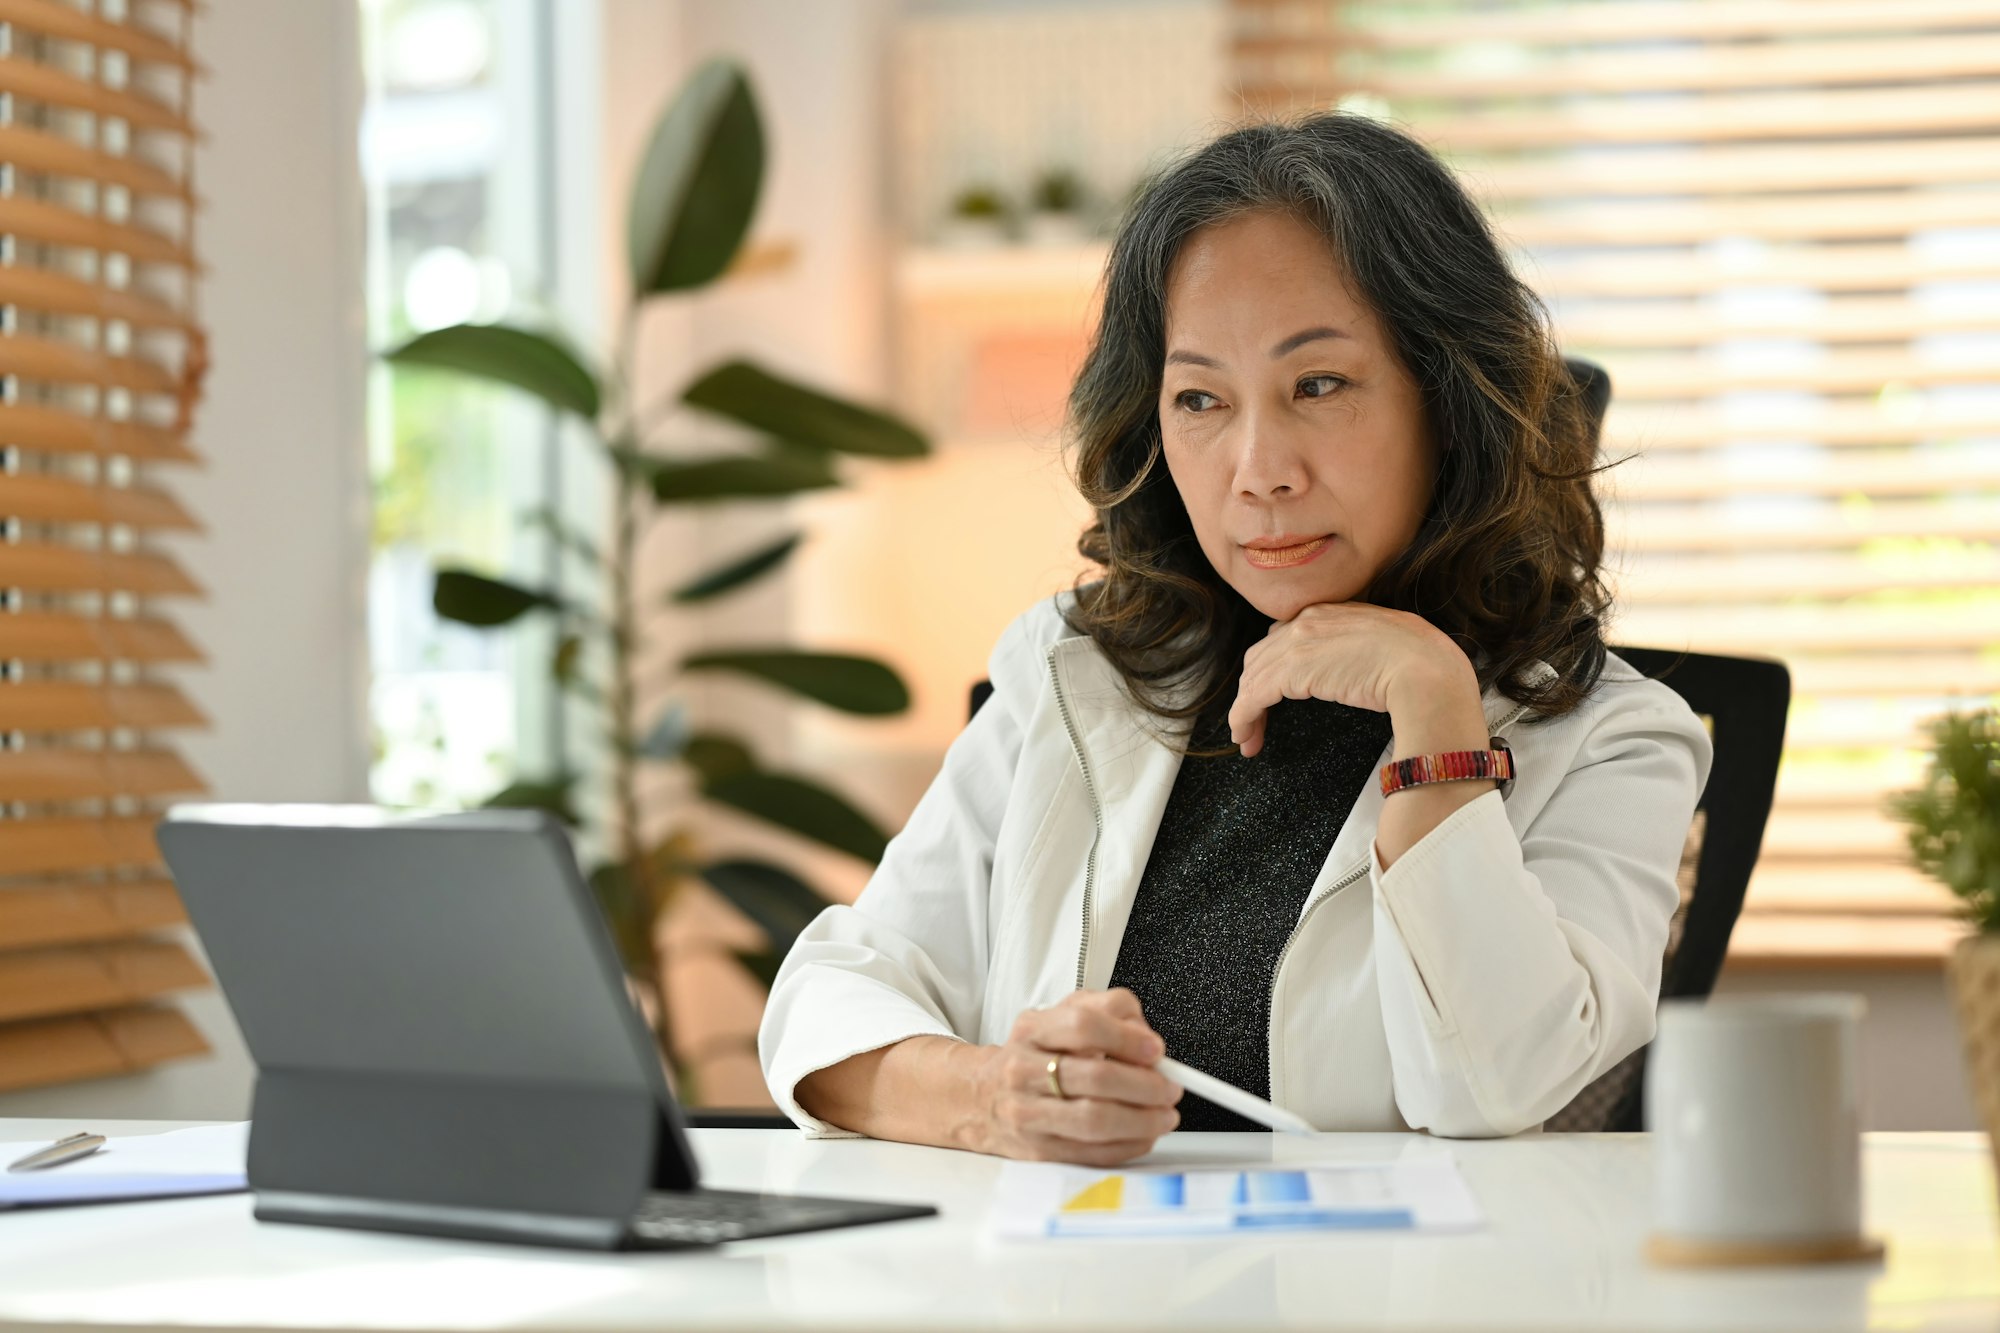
column 1268, row 463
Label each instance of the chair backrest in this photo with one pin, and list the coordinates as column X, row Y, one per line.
column 1745, row 701
column 1594, row 383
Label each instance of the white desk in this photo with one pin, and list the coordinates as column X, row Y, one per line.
column 1566, row 1219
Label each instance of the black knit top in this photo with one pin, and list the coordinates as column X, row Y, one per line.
column 1239, row 846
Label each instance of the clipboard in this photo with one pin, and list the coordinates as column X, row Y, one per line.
column 206, row 1159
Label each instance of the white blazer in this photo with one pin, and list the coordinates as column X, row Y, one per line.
column 1471, row 989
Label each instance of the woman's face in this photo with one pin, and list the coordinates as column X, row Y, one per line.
column 1291, row 428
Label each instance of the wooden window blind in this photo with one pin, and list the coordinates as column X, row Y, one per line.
column 1777, row 224
column 100, row 361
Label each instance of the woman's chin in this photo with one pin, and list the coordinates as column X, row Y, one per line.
column 1283, row 603
column 1280, row 607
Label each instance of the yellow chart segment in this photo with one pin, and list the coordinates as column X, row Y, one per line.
column 1104, row 1196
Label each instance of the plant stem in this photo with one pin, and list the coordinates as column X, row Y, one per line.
column 624, row 706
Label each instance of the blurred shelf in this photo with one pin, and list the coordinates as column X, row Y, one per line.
column 989, row 339
column 931, row 272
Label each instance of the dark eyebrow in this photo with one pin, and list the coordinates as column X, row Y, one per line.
column 1291, row 344
column 1304, row 336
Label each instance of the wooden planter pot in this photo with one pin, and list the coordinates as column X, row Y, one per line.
column 1975, row 986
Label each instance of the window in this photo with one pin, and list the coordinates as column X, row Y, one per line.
column 1777, row 225
column 101, row 362
column 458, row 179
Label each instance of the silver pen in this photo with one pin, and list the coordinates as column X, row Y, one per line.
column 62, row 1150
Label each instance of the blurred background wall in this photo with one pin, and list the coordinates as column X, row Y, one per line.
column 1775, row 223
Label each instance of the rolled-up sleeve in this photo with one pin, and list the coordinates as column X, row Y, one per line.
column 909, row 958
column 1514, row 969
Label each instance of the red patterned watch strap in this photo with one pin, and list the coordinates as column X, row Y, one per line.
column 1496, row 764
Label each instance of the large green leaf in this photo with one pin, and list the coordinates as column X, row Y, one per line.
column 779, row 902
column 715, row 757
column 474, row 599
column 552, row 796
column 838, row 680
column 804, row 807
column 738, row 572
column 524, row 359
column 777, row 471
column 698, row 183
column 790, row 411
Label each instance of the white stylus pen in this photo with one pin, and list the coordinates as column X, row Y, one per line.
column 1233, row 1098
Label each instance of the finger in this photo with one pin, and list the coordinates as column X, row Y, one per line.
column 1119, row 1002
column 1093, row 1120
column 1246, row 712
column 1080, row 1025
column 1287, row 677
column 1087, row 1030
column 1024, row 1072
column 1056, row 1149
column 1114, row 1081
column 1246, row 725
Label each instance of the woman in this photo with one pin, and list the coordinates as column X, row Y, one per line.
column 1344, row 516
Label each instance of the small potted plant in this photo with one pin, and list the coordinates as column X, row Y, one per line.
column 978, row 220
column 1954, row 830
column 1058, row 202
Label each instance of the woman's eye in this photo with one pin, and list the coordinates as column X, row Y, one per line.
column 1319, row 386
column 1193, row 400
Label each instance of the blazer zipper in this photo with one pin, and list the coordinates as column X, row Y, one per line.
column 1096, row 817
column 1359, row 869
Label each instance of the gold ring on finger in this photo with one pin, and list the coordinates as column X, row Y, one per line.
column 1055, row 1080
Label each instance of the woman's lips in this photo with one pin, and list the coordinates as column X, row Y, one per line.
column 1284, row 557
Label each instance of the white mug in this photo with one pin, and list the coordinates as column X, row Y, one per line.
column 1753, row 1103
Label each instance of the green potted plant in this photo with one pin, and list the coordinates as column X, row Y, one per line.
column 691, row 208
column 1954, row 832
column 1058, row 209
column 977, row 221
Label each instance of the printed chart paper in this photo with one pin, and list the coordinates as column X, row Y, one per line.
column 1037, row 1199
